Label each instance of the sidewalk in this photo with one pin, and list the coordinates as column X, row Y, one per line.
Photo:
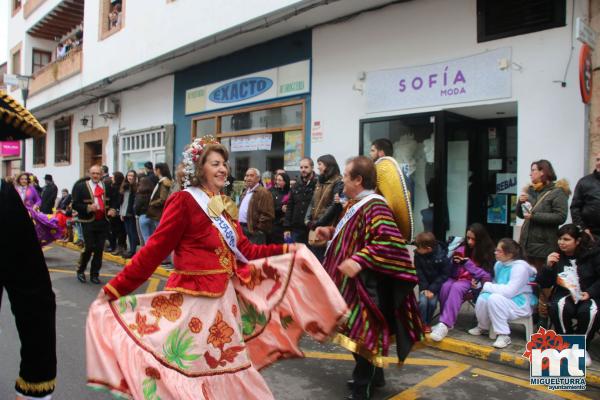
column 460, row 342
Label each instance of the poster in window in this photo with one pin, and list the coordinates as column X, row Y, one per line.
column 497, row 210
column 513, row 210
column 292, row 155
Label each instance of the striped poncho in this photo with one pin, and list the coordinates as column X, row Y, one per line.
column 380, row 298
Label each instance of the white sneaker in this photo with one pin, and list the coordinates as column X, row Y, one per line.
column 477, row 331
column 502, row 341
column 588, row 359
column 438, row 332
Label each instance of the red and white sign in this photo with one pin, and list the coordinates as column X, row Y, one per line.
column 10, row 149
column 585, row 73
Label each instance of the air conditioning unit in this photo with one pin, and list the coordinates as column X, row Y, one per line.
column 106, row 107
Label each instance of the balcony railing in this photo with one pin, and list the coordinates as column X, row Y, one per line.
column 56, row 71
column 30, row 6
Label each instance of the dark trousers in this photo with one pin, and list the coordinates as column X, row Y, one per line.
column 117, row 236
column 132, row 234
column 563, row 310
column 94, row 234
column 365, row 375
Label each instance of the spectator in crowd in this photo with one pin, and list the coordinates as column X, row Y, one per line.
column 508, row 297
column 323, row 211
column 127, row 213
column 544, row 206
column 117, row 237
column 36, row 184
column 105, row 174
column 159, row 195
column 256, row 209
column 577, row 256
column 471, row 265
column 267, row 180
column 585, row 207
column 60, row 51
column 148, row 166
column 49, row 194
column 300, row 197
column 91, row 203
column 433, row 269
column 140, row 205
column 64, row 213
column 281, row 195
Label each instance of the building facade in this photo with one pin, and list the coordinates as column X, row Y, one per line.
column 469, row 92
column 467, row 104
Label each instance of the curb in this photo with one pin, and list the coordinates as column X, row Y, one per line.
column 109, row 257
column 491, row 354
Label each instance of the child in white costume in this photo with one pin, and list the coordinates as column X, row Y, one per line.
column 508, row 297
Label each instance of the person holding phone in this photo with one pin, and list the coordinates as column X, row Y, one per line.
column 577, row 255
column 471, row 266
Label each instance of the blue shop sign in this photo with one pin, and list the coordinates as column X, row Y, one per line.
column 240, row 89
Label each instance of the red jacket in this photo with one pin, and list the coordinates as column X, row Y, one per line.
column 203, row 262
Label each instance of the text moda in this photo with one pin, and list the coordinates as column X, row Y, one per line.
column 432, row 80
column 240, row 89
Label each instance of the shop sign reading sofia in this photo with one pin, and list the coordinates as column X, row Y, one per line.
column 475, row 78
column 287, row 80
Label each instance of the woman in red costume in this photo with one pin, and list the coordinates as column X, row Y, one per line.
column 220, row 316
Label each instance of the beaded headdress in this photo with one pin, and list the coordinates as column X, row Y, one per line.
column 192, row 154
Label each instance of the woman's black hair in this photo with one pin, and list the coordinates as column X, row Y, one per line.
column 164, row 170
column 331, row 166
column 286, row 178
column 483, row 251
column 577, row 233
column 510, row 246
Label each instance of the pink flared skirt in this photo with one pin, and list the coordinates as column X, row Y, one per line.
column 170, row 345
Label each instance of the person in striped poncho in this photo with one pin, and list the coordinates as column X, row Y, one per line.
column 368, row 261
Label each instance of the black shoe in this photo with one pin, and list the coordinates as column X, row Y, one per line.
column 355, row 396
column 95, row 280
column 376, row 383
column 81, row 277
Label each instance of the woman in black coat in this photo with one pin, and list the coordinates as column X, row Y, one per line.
column 127, row 212
column 117, row 237
column 577, row 254
column 281, row 194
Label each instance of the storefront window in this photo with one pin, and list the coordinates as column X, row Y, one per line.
column 413, row 141
column 262, row 119
column 268, row 138
column 137, row 148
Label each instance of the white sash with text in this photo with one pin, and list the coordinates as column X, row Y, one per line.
column 219, row 222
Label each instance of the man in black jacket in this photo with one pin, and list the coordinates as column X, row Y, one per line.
column 300, row 197
column 585, row 207
column 90, row 200
column 49, row 195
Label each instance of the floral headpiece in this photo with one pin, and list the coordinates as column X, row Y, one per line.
column 192, row 154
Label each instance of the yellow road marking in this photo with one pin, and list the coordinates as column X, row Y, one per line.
column 65, row 271
column 46, row 248
column 433, row 381
column 452, row 369
column 152, row 285
column 525, row 384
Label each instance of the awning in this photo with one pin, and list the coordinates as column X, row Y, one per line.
column 63, row 18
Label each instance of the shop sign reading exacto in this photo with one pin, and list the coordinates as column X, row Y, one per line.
column 287, row 80
column 480, row 77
